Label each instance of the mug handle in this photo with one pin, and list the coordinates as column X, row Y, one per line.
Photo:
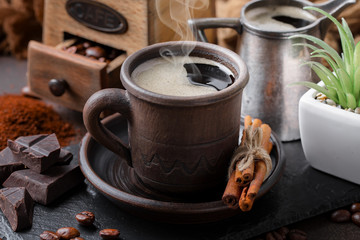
column 107, row 99
column 200, row 24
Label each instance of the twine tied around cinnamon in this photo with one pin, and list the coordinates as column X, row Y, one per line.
column 250, row 151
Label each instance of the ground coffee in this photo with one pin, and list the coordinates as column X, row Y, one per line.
column 23, row 116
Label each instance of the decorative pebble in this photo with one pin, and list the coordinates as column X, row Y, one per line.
column 330, row 102
column 321, row 97
column 324, row 99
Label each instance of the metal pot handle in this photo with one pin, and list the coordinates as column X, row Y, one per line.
column 199, row 25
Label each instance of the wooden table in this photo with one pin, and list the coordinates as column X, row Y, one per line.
column 62, row 212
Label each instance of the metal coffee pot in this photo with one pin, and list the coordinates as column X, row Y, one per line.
column 273, row 61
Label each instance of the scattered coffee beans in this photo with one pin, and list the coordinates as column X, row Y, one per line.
column 341, row 215
column 284, row 233
column 344, row 215
column 67, row 232
column 296, row 234
column 93, row 50
column 49, row 235
column 356, row 218
column 274, row 236
column 355, row 207
column 109, row 233
column 85, row 218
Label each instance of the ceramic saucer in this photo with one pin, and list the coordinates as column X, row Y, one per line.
column 110, row 174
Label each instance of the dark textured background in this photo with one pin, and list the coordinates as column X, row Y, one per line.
column 301, row 193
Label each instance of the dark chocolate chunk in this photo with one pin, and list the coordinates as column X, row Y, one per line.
column 9, row 163
column 48, row 186
column 38, row 152
column 65, row 157
column 17, row 206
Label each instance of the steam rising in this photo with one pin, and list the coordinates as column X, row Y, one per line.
column 175, row 17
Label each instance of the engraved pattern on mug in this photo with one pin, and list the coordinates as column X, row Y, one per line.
column 201, row 163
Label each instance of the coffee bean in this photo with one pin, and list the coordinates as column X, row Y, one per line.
column 340, row 215
column 86, row 44
column 355, row 207
column 85, row 218
column 67, row 232
column 113, row 54
column 269, row 236
column 356, row 218
column 49, row 235
column 109, row 233
column 71, row 49
column 95, row 51
column 283, row 231
column 79, row 46
column 296, row 234
column 273, row 236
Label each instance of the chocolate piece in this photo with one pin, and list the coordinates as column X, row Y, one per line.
column 9, row 163
column 17, row 206
column 65, row 157
column 45, row 188
column 38, row 152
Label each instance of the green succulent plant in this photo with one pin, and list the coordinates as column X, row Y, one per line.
column 342, row 85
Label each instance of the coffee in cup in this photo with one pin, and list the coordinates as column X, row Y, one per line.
column 169, row 76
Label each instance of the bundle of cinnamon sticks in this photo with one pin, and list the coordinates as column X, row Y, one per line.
column 244, row 183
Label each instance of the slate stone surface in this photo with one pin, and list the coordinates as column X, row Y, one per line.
column 301, row 193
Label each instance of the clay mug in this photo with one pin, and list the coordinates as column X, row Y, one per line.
column 177, row 145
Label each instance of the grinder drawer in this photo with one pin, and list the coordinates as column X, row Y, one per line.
column 66, row 78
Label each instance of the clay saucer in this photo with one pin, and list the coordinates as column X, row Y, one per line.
column 112, row 177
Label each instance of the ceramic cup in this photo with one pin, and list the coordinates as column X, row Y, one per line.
column 177, row 145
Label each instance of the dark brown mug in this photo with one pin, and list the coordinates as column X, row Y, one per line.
column 177, row 145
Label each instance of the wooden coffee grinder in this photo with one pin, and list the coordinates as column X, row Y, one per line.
column 60, row 75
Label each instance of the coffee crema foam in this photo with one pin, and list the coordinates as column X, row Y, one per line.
column 170, row 77
column 263, row 17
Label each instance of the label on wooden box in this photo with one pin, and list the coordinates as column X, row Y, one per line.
column 97, row 16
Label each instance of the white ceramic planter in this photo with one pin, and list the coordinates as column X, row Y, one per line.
column 330, row 138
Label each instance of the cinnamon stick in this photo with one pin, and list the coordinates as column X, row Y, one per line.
column 248, row 173
column 247, row 123
column 232, row 193
column 245, row 176
column 269, row 147
column 247, row 201
column 244, row 203
column 257, row 181
column 266, row 135
column 256, row 123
